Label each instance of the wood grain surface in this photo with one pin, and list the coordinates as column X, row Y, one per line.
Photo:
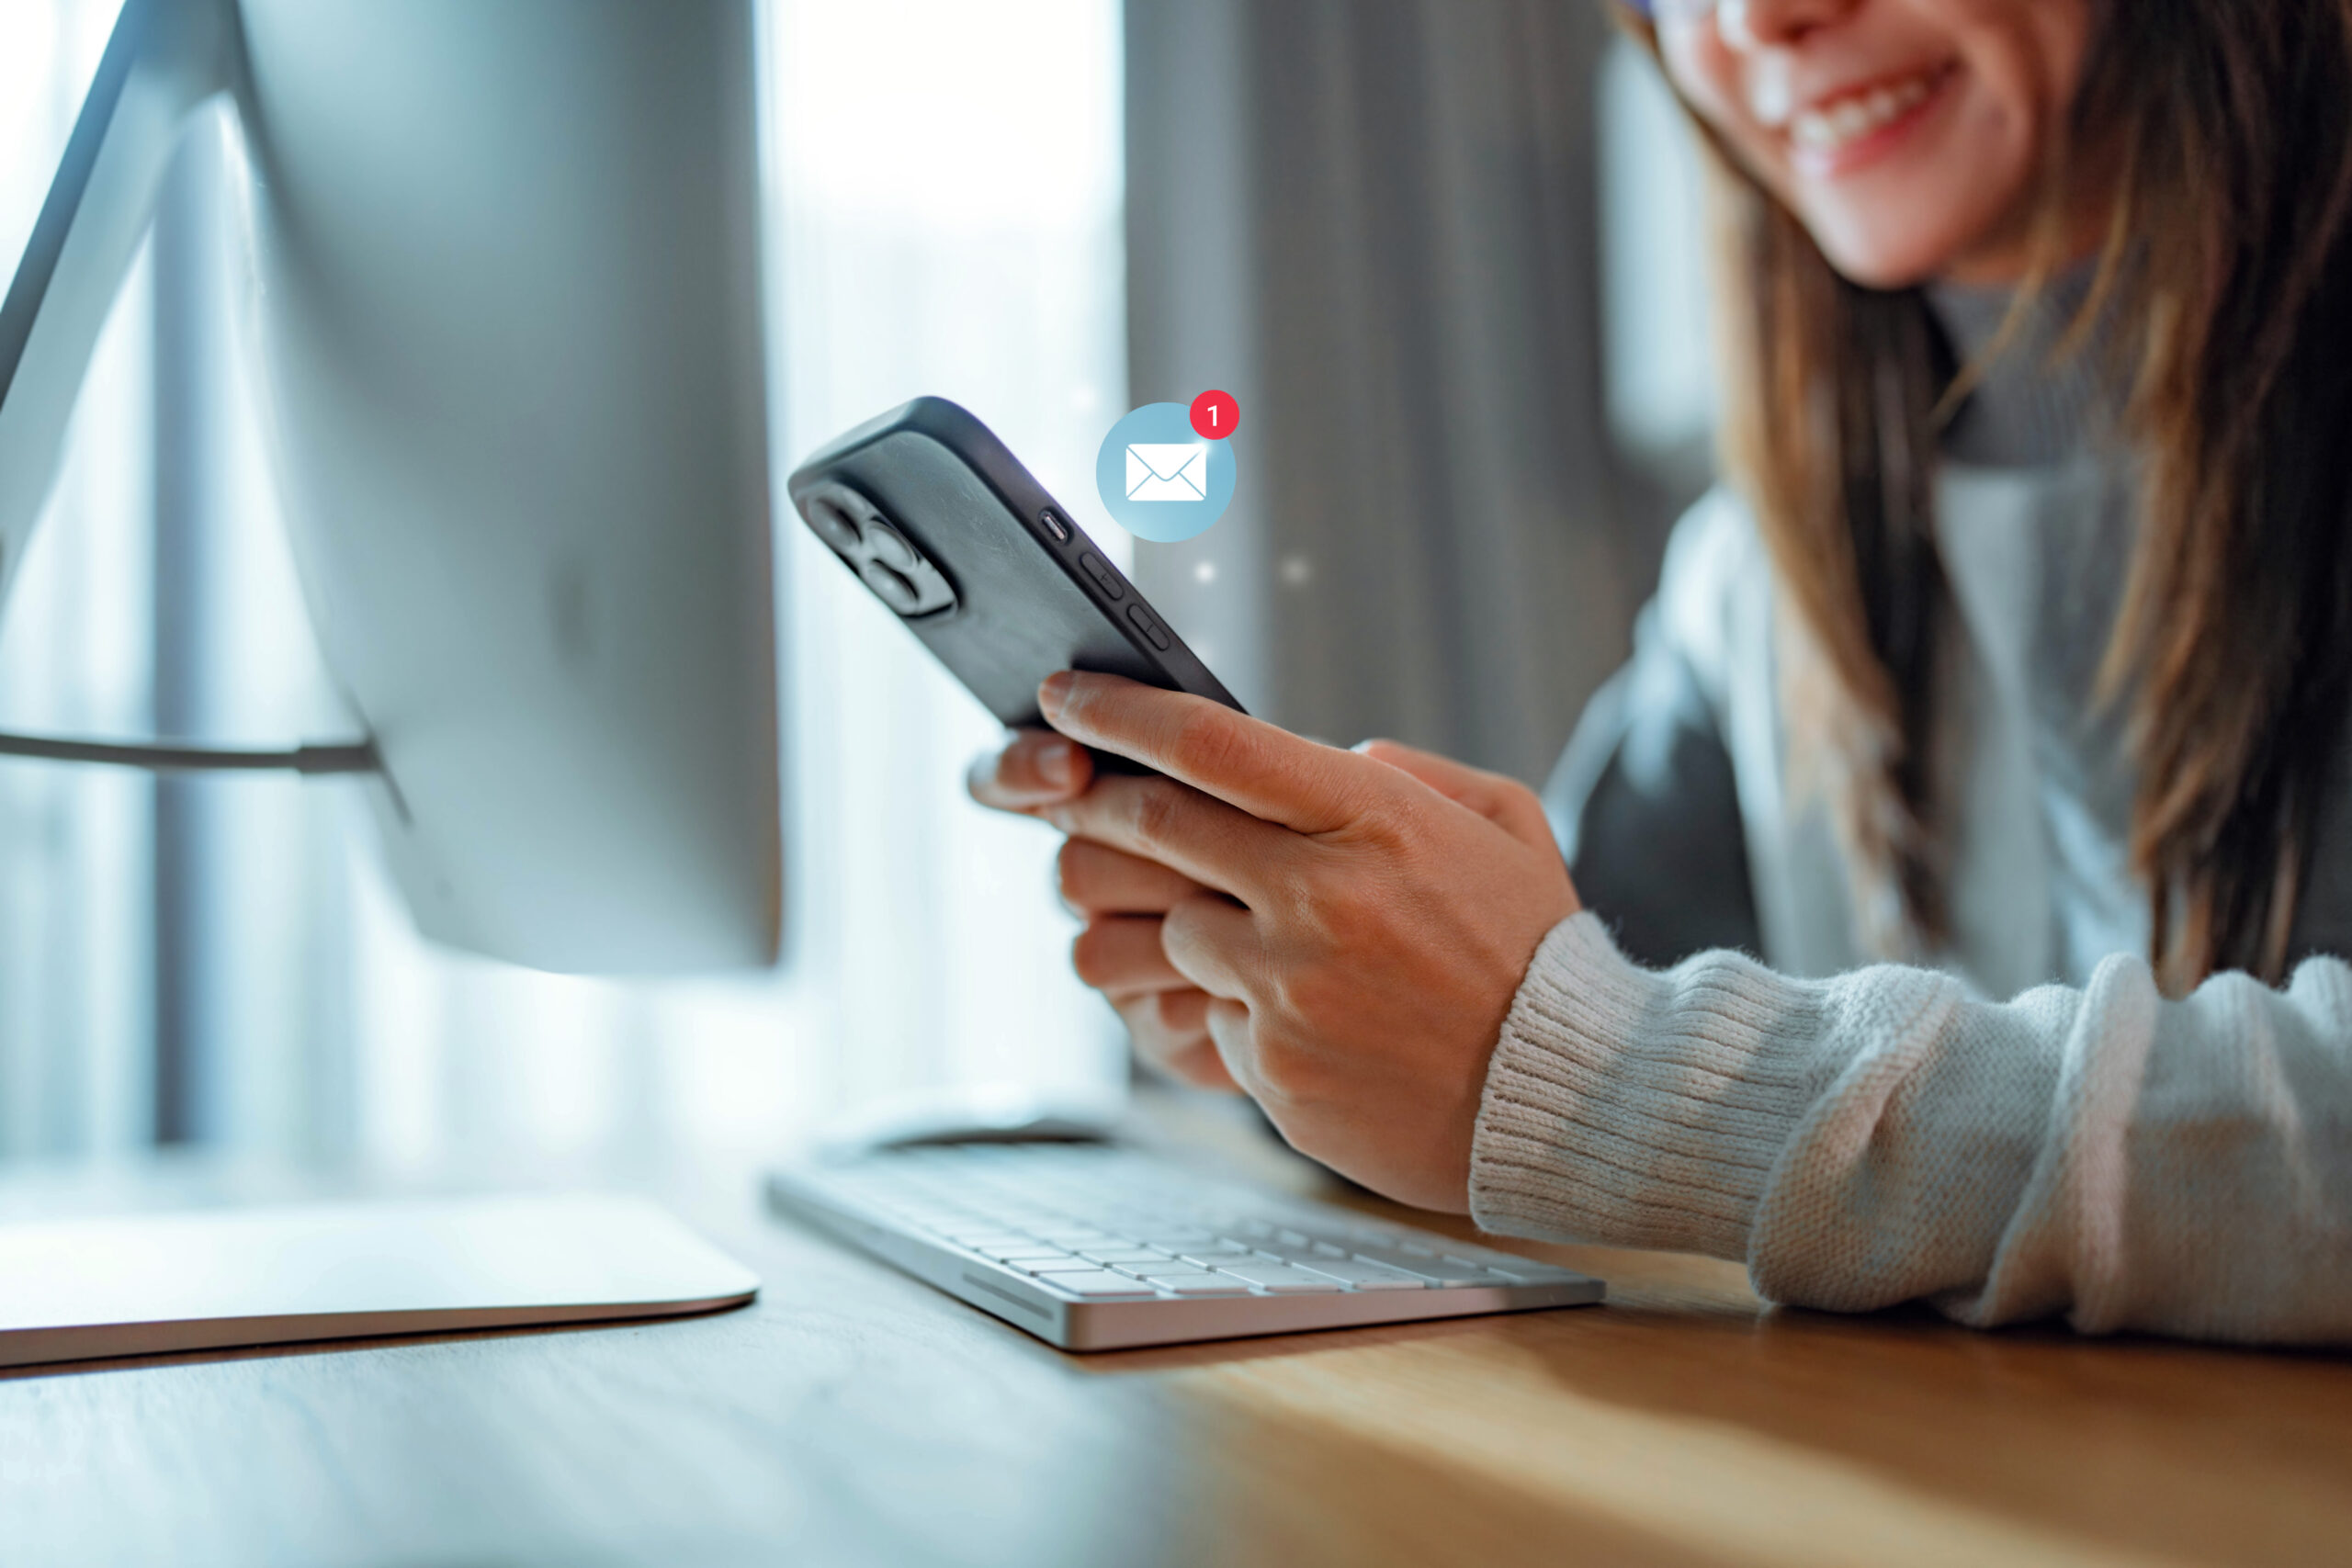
column 853, row 1416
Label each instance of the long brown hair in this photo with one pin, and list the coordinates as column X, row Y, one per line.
column 2223, row 130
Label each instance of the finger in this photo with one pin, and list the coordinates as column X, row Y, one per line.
column 1248, row 763
column 1214, row 946
column 1229, row 1027
column 1035, row 768
column 1505, row 802
column 1205, row 839
column 1181, row 1014
column 1095, row 879
column 1171, row 1031
column 1120, row 955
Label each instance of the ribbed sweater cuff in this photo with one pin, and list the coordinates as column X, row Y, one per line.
column 1630, row 1108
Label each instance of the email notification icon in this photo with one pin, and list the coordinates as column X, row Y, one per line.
column 1167, row 471
column 1162, row 477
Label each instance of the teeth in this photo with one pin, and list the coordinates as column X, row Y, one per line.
column 1826, row 127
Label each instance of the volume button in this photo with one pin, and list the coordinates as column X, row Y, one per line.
column 1149, row 627
column 1105, row 577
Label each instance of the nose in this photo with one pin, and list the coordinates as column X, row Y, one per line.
column 1751, row 25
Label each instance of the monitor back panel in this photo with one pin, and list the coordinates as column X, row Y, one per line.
column 508, row 305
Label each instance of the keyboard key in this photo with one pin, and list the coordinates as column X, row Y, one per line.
column 1160, row 1269
column 1109, row 1255
column 1528, row 1272
column 1207, row 1255
column 1006, row 1252
column 1202, row 1285
column 1436, row 1270
column 1281, row 1278
column 1099, row 1282
column 1288, row 1252
column 1367, row 1276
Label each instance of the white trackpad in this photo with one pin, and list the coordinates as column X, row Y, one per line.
column 140, row 1284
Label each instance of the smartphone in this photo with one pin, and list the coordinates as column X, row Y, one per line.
column 943, row 526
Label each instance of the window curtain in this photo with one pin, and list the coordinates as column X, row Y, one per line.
column 1375, row 222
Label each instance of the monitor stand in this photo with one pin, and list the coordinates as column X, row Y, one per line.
column 145, row 1284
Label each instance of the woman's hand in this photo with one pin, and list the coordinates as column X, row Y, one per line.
column 1122, row 900
column 1359, row 921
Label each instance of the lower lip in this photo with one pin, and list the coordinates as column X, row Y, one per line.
column 1880, row 143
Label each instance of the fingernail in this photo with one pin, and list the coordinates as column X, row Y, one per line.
column 1057, row 764
column 1055, row 692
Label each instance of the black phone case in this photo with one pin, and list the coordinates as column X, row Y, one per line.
column 944, row 525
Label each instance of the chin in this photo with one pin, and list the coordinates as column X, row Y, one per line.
column 1882, row 261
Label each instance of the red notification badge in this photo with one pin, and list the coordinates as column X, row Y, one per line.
column 1215, row 415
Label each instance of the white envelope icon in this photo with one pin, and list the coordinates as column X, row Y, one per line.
column 1168, row 472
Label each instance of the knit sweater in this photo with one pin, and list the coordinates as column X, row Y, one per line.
column 2018, row 1127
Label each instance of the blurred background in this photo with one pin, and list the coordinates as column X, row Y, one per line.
column 1445, row 255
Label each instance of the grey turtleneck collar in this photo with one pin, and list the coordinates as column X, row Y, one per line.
column 2030, row 408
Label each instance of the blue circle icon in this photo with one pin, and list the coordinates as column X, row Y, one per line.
column 1159, row 479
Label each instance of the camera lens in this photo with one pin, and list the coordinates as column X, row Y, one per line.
column 831, row 523
column 889, row 549
column 894, row 590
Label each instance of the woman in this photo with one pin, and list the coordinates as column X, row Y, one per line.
column 2015, row 659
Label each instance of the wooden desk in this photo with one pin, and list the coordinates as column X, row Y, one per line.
column 854, row 1416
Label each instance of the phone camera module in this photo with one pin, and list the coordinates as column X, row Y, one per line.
column 886, row 560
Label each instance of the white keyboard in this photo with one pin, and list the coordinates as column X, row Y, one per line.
column 1096, row 1249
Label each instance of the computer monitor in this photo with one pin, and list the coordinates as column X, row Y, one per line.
column 506, row 301
column 505, row 296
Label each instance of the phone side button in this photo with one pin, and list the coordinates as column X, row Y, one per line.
column 1149, row 627
column 1107, row 580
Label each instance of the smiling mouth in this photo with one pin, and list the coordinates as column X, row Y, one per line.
column 1836, row 125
